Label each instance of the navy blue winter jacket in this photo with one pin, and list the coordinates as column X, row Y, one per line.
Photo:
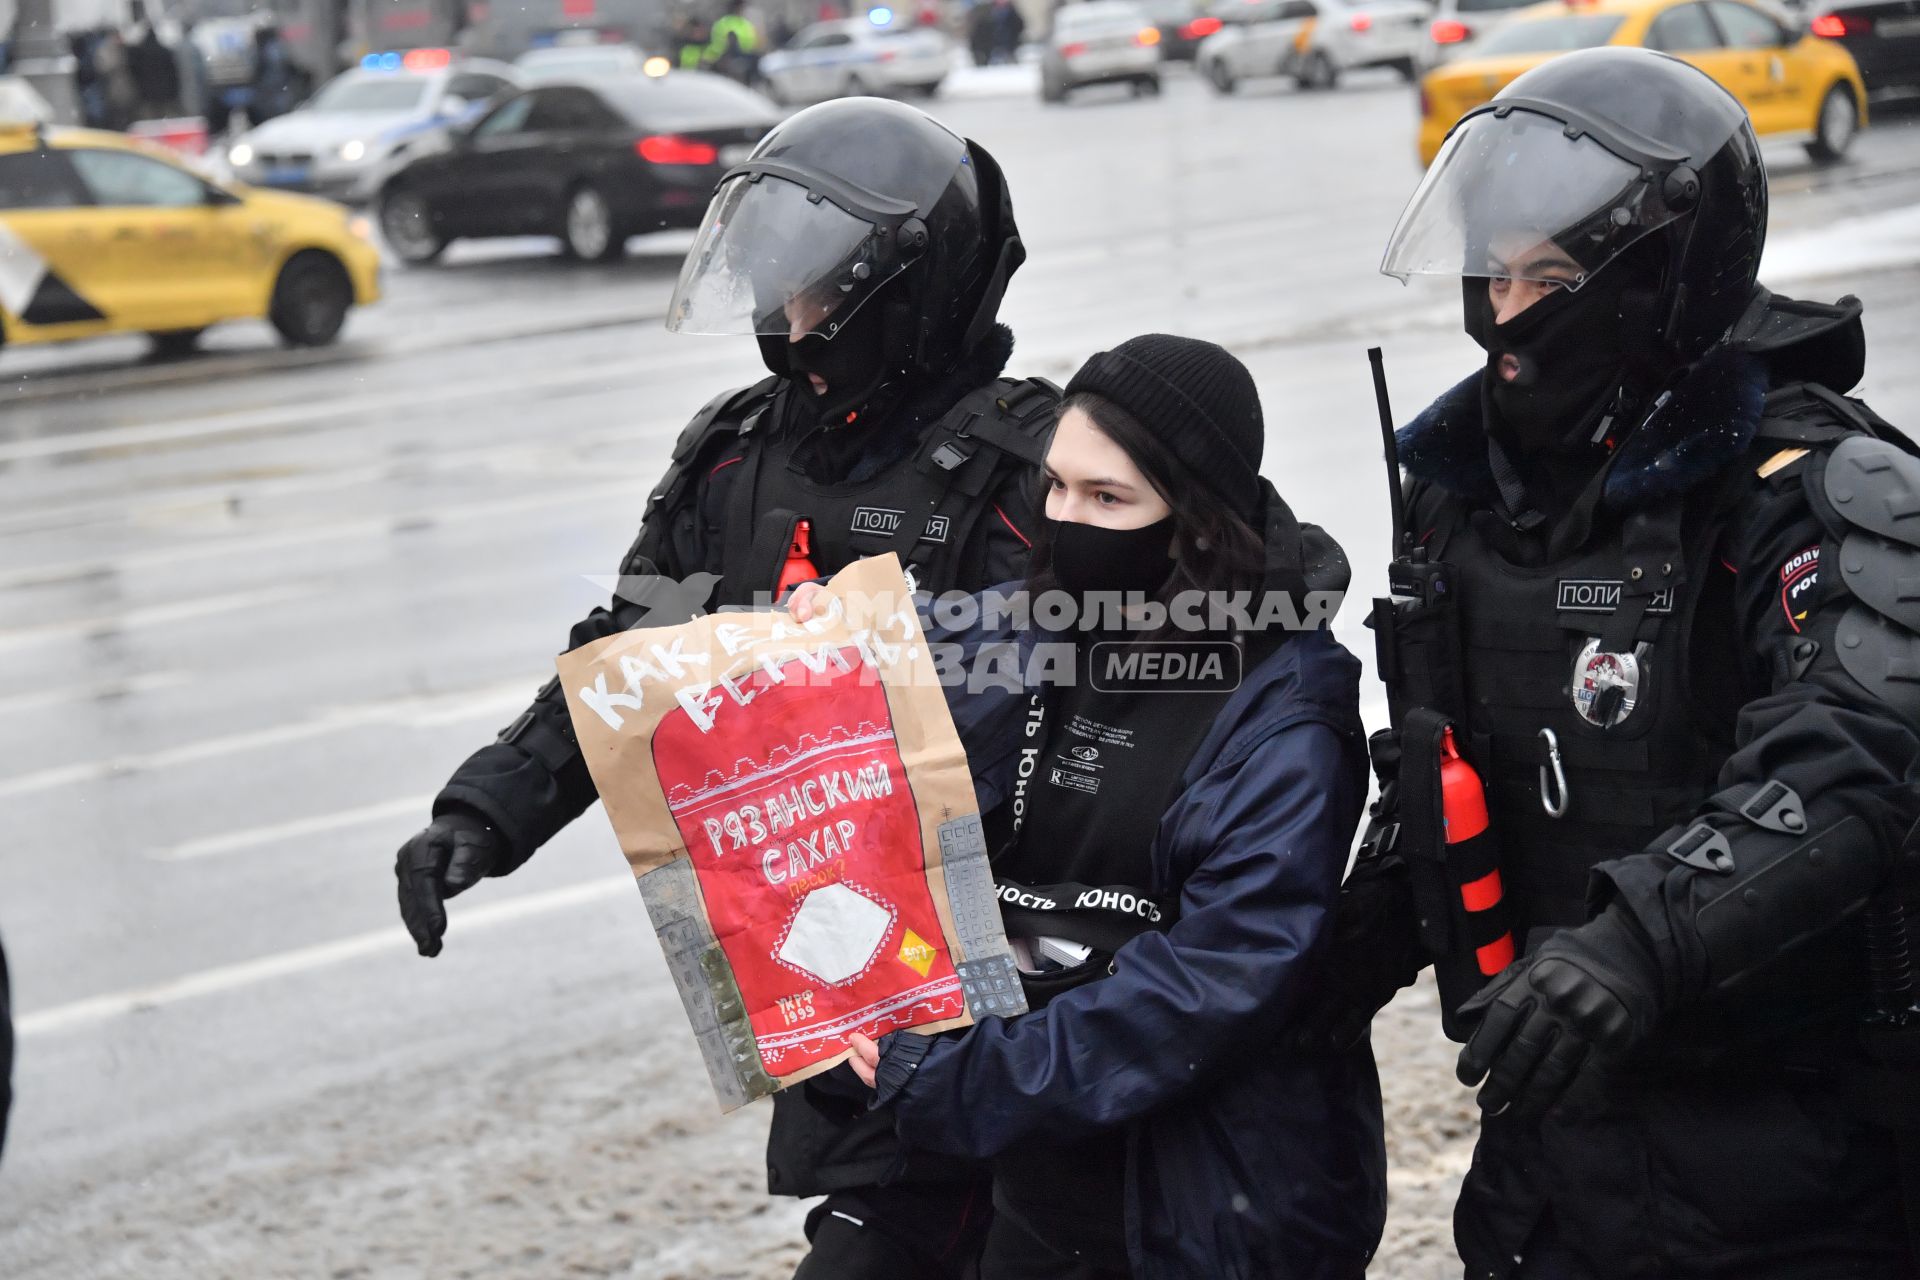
column 1245, row 1160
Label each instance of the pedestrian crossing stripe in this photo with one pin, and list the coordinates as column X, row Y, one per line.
column 33, row 291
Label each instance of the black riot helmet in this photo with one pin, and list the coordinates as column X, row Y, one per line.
column 844, row 206
column 1593, row 152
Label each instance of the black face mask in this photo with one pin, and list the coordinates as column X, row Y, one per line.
column 1575, row 349
column 1087, row 557
column 854, row 362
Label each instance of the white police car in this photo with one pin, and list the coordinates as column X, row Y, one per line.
column 877, row 54
column 341, row 141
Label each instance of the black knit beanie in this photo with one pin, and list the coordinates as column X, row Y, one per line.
column 1195, row 398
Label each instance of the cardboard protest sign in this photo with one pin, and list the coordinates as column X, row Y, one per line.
column 800, row 816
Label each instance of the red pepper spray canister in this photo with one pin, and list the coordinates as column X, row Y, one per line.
column 799, row 563
column 1473, row 863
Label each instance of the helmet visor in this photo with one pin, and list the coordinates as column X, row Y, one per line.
column 772, row 258
column 1511, row 196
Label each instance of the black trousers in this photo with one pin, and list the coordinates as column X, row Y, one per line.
column 932, row 1230
column 1014, row 1253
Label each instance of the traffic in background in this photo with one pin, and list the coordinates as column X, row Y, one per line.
column 256, row 600
column 612, row 121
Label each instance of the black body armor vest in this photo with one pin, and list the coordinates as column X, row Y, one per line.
column 924, row 507
column 1573, row 705
column 1577, row 693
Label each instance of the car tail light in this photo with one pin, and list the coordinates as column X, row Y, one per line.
column 1073, row 50
column 667, row 148
column 1361, row 22
column 885, row 55
column 1833, row 26
column 1147, row 38
column 1449, row 31
column 1199, row 28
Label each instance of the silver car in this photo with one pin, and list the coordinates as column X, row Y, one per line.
column 854, row 56
column 1315, row 42
column 344, row 140
column 569, row 62
column 1100, row 42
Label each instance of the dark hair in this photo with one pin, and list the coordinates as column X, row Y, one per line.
column 1214, row 549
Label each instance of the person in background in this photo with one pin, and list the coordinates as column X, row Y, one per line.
column 279, row 83
column 692, row 36
column 733, row 49
column 191, row 66
column 1009, row 29
column 119, row 97
column 980, row 32
column 156, row 74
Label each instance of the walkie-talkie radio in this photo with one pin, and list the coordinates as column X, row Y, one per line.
column 1432, row 810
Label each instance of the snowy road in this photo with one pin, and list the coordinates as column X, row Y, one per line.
column 255, row 605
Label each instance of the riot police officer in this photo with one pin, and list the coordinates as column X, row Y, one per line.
column 867, row 248
column 1649, row 609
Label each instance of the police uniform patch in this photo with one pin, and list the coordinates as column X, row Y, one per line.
column 1605, row 685
column 883, row 521
column 1602, row 595
column 1798, row 577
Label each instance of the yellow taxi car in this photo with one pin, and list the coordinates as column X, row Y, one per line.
column 1792, row 84
column 100, row 234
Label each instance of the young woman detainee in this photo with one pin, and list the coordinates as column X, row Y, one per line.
column 1178, row 853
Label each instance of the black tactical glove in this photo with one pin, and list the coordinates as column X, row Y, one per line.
column 454, row 852
column 1371, row 953
column 1580, row 1002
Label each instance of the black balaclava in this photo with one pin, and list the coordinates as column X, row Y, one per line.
column 1577, row 349
column 857, row 363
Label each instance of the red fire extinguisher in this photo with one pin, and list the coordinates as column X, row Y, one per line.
column 799, row 563
column 1473, row 860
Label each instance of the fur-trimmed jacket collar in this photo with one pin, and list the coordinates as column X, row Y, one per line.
column 1699, row 426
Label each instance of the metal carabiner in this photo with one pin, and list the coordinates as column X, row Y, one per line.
column 1553, row 790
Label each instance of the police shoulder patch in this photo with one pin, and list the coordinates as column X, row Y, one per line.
column 1798, row 577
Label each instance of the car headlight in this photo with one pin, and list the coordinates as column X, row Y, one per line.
column 241, row 156
column 353, row 151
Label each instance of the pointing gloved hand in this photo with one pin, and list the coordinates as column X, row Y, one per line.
column 452, row 854
column 1579, row 1003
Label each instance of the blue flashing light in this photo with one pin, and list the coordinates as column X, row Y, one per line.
column 880, row 17
column 389, row 62
column 370, row 63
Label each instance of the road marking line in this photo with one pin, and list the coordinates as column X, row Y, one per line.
column 154, row 615
column 425, row 712
column 580, row 496
column 247, row 973
column 356, row 410
column 13, row 704
column 312, row 825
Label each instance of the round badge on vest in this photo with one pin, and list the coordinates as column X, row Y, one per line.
column 1606, row 686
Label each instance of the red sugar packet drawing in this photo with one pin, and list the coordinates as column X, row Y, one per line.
column 798, row 811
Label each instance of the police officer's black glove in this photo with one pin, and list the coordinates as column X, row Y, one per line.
column 1578, row 1004
column 454, row 852
column 1371, row 953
